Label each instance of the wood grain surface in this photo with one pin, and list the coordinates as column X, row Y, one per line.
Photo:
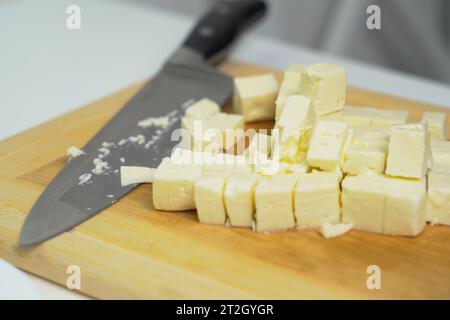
column 131, row 250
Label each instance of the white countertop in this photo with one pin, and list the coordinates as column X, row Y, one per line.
column 47, row 70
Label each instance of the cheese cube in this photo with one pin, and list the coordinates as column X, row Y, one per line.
column 437, row 124
column 286, row 148
column 287, row 89
column 409, row 151
column 316, row 199
column 260, row 145
column 224, row 128
column 239, row 198
column 254, row 97
column 296, row 124
column 405, row 206
column 325, row 85
column 365, row 156
column 363, row 202
column 190, row 123
column 328, row 230
column 441, row 156
column 297, row 114
column 274, row 202
column 438, row 202
column 358, row 116
column 193, row 137
column 209, row 200
column 389, row 117
column 371, row 133
column 202, row 109
column 173, row 185
column 326, row 145
column 294, row 73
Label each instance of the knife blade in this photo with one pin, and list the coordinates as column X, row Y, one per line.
column 91, row 182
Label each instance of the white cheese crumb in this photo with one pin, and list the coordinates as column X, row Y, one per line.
column 110, row 196
column 100, row 166
column 154, row 121
column 104, row 152
column 131, row 175
column 122, row 160
column 329, row 230
column 108, row 144
column 74, row 152
column 139, row 139
column 84, row 178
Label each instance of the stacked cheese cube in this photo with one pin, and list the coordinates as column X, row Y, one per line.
column 325, row 165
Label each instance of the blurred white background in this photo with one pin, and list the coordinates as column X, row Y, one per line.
column 47, row 69
column 414, row 35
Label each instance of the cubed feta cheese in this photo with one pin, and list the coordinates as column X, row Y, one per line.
column 409, row 151
column 325, row 85
column 326, row 145
column 358, row 116
column 209, row 200
column 173, row 185
column 219, row 132
column 363, row 202
column 437, row 124
column 287, row 89
column 438, row 202
column 297, row 114
column 296, row 124
column 440, row 151
column 274, row 202
column 405, row 206
column 202, row 109
column 194, row 137
column 239, row 198
column 316, row 199
column 366, row 156
column 293, row 73
column 254, row 97
column 371, row 133
column 389, row 117
column 260, row 145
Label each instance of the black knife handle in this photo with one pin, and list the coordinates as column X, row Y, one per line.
column 219, row 27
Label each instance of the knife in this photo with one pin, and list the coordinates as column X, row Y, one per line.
column 140, row 133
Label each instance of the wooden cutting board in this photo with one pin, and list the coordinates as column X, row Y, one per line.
column 131, row 250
